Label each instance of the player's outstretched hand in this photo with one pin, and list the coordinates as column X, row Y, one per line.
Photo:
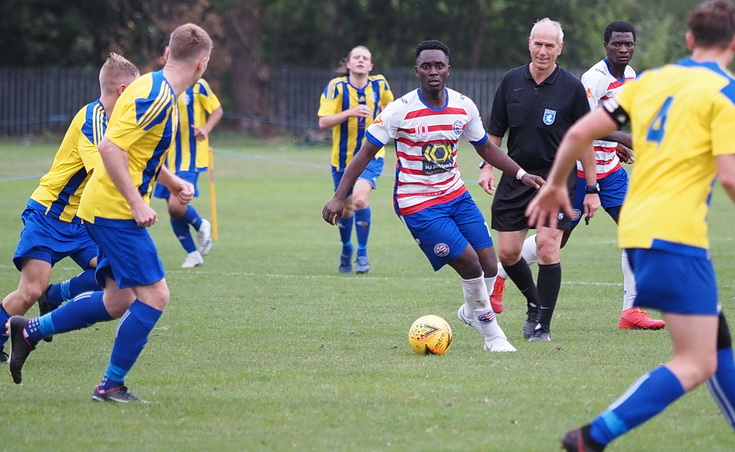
column 545, row 206
column 332, row 211
column 532, row 180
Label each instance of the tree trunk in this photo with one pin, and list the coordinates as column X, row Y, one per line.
column 249, row 76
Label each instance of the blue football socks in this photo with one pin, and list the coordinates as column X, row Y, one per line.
column 192, row 217
column 646, row 398
column 362, row 230
column 722, row 384
column 4, row 316
column 181, row 229
column 81, row 312
column 132, row 335
column 66, row 290
column 345, row 234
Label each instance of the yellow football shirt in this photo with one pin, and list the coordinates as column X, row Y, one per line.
column 60, row 189
column 143, row 124
column 195, row 105
column 340, row 95
column 681, row 116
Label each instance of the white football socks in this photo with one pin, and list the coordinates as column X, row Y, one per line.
column 629, row 290
column 477, row 307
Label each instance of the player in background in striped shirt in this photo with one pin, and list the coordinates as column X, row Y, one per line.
column 429, row 195
column 348, row 106
column 51, row 228
column 199, row 113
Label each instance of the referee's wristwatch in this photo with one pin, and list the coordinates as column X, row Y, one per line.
column 482, row 164
column 592, row 189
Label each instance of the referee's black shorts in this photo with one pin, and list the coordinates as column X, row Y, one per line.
column 512, row 197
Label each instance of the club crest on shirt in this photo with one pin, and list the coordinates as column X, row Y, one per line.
column 458, row 127
column 549, row 116
column 576, row 214
column 441, row 249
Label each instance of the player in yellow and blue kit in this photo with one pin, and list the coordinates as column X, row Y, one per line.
column 52, row 230
column 199, row 112
column 116, row 210
column 348, row 106
column 681, row 118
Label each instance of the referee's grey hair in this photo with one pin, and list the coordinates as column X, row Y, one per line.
column 545, row 21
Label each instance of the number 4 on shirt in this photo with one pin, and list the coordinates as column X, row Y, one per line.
column 656, row 129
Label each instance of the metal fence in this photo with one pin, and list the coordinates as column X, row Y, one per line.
column 34, row 101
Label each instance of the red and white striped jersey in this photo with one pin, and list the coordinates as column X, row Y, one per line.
column 600, row 84
column 427, row 140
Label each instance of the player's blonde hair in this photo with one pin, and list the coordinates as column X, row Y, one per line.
column 116, row 71
column 546, row 21
column 189, row 42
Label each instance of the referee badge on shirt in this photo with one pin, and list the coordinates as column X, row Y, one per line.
column 549, row 116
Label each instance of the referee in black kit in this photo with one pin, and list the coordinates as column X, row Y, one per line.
column 536, row 103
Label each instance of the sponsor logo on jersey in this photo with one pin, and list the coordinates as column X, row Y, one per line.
column 549, row 116
column 437, row 158
column 441, row 249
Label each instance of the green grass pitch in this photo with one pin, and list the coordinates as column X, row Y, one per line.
column 267, row 348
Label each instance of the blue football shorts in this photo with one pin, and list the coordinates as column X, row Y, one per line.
column 443, row 231
column 371, row 173
column 613, row 189
column 49, row 239
column 127, row 255
column 674, row 282
column 160, row 190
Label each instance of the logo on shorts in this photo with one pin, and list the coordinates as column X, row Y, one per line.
column 560, row 216
column 458, row 127
column 549, row 116
column 576, row 214
column 441, row 249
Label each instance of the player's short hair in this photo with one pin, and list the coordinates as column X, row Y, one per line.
column 712, row 24
column 116, row 71
column 619, row 26
column 189, row 42
column 342, row 69
column 432, row 44
column 545, row 21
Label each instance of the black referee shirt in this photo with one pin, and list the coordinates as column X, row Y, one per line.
column 536, row 116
